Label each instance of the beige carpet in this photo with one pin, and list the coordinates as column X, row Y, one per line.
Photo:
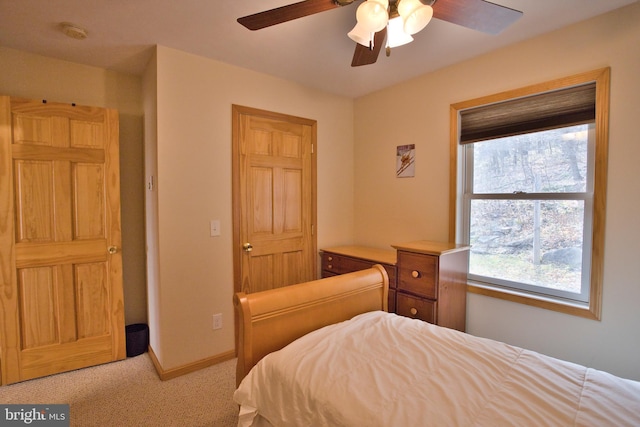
column 129, row 393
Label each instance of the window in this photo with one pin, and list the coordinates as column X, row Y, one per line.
column 528, row 191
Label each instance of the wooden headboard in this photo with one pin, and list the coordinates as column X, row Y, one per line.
column 269, row 320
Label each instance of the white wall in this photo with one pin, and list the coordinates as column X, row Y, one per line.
column 37, row 77
column 194, row 96
column 418, row 208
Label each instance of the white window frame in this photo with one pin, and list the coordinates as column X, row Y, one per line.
column 589, row 303
column 581, row 299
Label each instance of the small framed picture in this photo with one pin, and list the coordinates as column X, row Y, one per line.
column 406, row 161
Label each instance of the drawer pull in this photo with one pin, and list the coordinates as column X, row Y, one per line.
column 415, row 274
column 330, row 258
column 413, row 311
column 329, row 266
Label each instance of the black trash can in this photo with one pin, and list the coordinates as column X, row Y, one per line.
column 137, row 339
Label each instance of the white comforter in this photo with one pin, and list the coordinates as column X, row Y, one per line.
column 380, row 369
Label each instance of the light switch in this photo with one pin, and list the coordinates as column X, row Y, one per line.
column 215, row 227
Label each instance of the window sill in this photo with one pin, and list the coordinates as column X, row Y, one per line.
column 574, row 309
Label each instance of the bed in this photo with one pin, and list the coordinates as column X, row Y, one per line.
column 326, row 353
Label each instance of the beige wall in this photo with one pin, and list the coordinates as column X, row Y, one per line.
column 187, row 123
column 193, row 99
column 418, row 208
column 150, row 103
column 36, row 77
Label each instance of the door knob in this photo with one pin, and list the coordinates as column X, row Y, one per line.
column 112, row 249
column 247, row 247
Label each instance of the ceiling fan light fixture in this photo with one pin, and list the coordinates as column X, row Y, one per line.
column 361, row 35
column 395, row 33
column 415, row 15
column 406, row 7
column 373, row 15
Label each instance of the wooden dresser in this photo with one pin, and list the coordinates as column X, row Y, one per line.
column 432, row 282
column 345, row 259
column 427, row 280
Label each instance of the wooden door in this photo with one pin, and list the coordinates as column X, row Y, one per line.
column 61, row 299
column 274, row 199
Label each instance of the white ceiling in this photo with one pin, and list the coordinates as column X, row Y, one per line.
column 313, row 51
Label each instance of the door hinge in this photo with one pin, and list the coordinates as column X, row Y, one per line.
column 313, row 229
column 312, row 149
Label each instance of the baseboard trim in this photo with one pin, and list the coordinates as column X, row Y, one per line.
column 190, row 367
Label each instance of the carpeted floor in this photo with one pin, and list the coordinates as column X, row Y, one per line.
column 129, row 393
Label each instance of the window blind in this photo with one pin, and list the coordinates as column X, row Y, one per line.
column 543, row 111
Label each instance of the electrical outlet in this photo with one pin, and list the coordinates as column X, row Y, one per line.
column 217, row 321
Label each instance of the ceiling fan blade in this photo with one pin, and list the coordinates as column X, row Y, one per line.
column 478, row 15
column 290, row 12
column 365, row 56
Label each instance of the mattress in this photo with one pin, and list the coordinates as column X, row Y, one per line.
column 381, row 369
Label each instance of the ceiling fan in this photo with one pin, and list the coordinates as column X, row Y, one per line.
column 375, row 19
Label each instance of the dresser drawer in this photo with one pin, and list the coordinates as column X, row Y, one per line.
column 417, row 308
column 338, row 264
column 417, row 274
column 333, row 264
